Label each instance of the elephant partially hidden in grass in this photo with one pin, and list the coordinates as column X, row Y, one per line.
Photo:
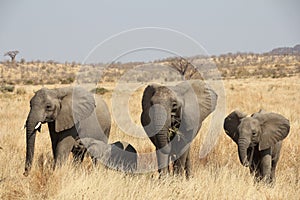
column 70, row 112
column 119, row 155
column 259, row 139
column 172, row 116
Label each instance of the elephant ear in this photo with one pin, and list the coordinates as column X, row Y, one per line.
column 231, row 123
column 130, row 148
column 76, row 104
column 148, row 93
column 206, row 99
column 118, row 144
column 274, row 128
column 261, row 111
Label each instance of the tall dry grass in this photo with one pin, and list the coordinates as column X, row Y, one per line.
column 218, row 176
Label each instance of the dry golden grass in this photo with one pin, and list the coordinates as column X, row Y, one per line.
column 218, row 176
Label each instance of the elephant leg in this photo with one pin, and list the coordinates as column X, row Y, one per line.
column 180, row 165
column 275, row 157
column 162, row 162
column 265, row 165
column 255, row 172
column 63, row 149
column 78, row 155
column 181, row 149
column 54, row 138
column 273, row 169
column 79, row 152
column 254, row 167
column 188, row 166
column 95, row 161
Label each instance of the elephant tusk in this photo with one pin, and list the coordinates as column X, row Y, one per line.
column 23, row 127
column 38, row 125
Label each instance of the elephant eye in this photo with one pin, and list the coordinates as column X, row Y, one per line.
column 48, row 106
column 254, row 133
column 151, row 103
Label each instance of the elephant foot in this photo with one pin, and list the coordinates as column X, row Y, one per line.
column 267, row 180
column 163, row 175
column 26, row 173
column 164, row 172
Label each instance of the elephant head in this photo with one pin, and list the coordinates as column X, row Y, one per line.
column 64, row 107
column 262, row 129
column 159, row 105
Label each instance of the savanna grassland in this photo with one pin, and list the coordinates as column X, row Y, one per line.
column 217, row 176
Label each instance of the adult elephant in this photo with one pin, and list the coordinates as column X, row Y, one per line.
column 70, row 112
column 119, row 155
column 172, row 116
column 259, row 139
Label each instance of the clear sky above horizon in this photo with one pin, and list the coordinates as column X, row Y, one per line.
column 68, row 30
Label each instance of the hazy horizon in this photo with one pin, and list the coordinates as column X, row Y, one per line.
column 69, row 30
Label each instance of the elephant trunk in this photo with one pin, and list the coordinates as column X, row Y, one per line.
column 162, row 123
column 32, row 125
column 243, row 145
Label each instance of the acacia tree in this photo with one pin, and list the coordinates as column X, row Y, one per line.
column 184, row 67
column 12, row 55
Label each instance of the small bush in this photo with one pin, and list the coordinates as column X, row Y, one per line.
column 21, row 91
column 22, row 61
column 67, row 81
column 100, row 91
column 28, row 82
column 7, row 88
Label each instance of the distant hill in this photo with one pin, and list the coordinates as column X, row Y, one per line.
column 286, row 50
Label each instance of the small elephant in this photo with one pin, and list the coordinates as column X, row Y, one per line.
column 123, row 156
column 70, row 112
column 172, row 116
column 118, row 155
column 259, row 139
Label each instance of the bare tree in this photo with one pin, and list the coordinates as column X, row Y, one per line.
column 12, row 55
column 184, row 67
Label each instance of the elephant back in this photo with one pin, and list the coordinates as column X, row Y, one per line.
column 123, row 156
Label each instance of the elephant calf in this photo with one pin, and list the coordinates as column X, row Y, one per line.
column 259, row 138
column 119, row 155
column 70, row 112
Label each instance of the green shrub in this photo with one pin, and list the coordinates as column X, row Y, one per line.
column 7, row 88
column 28, row 82
column 100, row 91
column 67, row 81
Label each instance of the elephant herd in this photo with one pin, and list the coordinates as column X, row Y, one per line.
column 79, row 122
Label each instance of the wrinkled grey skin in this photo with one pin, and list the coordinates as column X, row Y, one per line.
column 259, row 139
column 183, row 106
column 70, row 112
column 120, row 155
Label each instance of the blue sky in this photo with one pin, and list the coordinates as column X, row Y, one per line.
column 68, row 30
